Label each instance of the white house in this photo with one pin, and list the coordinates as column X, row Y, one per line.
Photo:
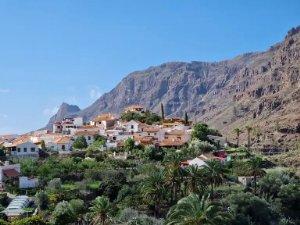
column 24, row 148
column 89, row 134
column 133, row 126
column 194, row 162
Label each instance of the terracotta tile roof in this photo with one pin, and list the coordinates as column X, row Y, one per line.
column 20, row 140
column 86, row 132
column 11, row 173
column 170, row 143
column 176, row 132
column 151, row 129
column 63, row 140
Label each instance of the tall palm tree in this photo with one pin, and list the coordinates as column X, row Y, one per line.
column 174, row 177
column 192, row 210
column 214, row 172
column 154, row 190
column 237, row 132
column 255, row 164
column 196, row 179
column 100, row 209
column 249, row 129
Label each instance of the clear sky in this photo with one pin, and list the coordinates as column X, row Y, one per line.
column 55, row 51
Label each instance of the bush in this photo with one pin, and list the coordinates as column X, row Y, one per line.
column 63, row 214
column 80, row 143
column 34, row 220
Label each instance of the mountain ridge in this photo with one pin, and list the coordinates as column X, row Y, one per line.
column 224, row 94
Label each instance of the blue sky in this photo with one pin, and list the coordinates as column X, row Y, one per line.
column 75, row 50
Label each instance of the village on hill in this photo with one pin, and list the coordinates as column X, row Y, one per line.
column 138, row 163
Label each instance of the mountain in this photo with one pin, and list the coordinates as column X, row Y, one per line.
column 260, row 89
column 65, row 110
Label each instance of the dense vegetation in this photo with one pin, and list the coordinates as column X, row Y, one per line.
column 150, row 187
column 147, row 117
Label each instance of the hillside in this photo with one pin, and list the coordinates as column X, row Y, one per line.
column 258, row 89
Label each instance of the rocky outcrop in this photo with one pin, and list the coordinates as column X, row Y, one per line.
column 258, row 89
column 65, row 110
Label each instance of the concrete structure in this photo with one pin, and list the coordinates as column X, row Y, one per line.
column 16, row 207
column 26, row 182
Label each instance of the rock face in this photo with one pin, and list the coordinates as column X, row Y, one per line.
column 259, row 89
column 65, row 110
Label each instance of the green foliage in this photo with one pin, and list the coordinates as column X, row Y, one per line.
column 78, row 206
column 80, row 143
column 201, row 130
column 129, row 144
column 195, row 210
column 246, row 206
column 63, row 214
column 197, row 147
column 42, row 200
column 152, row 153
column 147, row 117
column 34, row 220
column 100, row 209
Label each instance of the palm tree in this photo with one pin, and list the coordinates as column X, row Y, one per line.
column 249, row 129
column 100, row 209
column 174, row 177
column 214, row 172
column 196, row 180
column 192, row 210
column 154, row 190
column 255, row 164
column 237, row 132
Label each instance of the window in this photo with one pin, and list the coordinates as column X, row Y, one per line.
column 32, row 149
column 89, row 138
column 19, row 149
column 63, row 147
column 132, row 127
column 25, row 149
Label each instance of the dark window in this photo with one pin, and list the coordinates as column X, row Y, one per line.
column 132, row 126
column 63, row 147
column 32, row 149
column 19, row 149
column 89, row 138
column 25, row 149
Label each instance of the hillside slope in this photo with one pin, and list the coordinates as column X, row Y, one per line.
column 259, row 89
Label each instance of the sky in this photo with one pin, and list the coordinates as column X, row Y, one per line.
column 73, row 51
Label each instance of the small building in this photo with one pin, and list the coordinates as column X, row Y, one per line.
column 16, row 207
column 89, row 134
column 134, row 108
column 197, row 162
column 26, row 182
column 67, row 125
column 22, row 148
column 9, row 171
column 133, row 126
column 104, row 121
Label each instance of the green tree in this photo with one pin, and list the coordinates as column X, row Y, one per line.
column 186, row 118
column 246, row 206
column 237, row 131
column 63, row 214
column 129, row 144
column 42, row 200
column 214, row 172
column 162, row 111
column 77, row 206
column 153, row 190
column 80, row 143
column 34, row 220
column 249, row 129
column 100, row 210
column 192, row 210
column 255, row 164
column 200, row 131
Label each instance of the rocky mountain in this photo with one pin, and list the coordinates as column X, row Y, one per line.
column 260, row 89
column 65, row 110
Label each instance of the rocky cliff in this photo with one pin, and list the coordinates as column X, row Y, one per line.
column 258, row 89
